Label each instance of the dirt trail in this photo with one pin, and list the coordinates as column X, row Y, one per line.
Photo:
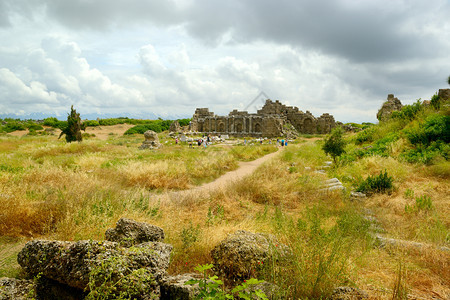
column 244, row 169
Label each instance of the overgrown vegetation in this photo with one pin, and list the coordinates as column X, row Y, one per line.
column 211, row 287
column 329, row 235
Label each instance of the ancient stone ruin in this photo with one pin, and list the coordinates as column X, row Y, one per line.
column 175, row 127
column 392, row 104
column 151, row 140
column 269, row 121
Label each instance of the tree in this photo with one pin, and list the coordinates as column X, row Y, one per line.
column 334, row 143
column 74, row 127
column 448, row 80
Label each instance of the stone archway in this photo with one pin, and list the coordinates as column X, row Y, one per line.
column 257, row 128
column 308, row 126
column 221, row 127
column 239, row 127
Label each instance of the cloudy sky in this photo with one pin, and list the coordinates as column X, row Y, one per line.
column 141, row 58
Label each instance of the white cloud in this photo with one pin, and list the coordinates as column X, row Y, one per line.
column 170, row 57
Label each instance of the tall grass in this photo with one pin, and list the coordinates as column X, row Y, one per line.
column 70, row 192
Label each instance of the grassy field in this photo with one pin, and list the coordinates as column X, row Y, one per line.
column 53, row 190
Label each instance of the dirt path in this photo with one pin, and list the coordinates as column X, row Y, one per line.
column 244, row 169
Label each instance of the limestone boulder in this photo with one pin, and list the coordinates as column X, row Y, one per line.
column 244, row 254
column 73, row 263
column 129, row 232
column 151, row 140
column 175, row 287
column 392, row 104
column 175, row 127
column 11, row 288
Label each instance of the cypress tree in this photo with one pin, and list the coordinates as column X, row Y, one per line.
column 74, row 127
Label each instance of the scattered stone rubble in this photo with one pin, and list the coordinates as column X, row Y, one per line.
column 63, row 270
column 332, row 184
column 151, row 140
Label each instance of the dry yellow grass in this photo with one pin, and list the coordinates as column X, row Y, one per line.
column 77, row 191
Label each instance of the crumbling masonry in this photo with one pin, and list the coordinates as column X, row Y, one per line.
column 269, row 121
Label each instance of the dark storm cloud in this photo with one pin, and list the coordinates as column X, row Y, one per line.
column 371, row 31
column 101, row 14
column 360, row 31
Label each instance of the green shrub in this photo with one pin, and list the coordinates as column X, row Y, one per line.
column 435, row 101
column 422, row 203
column 111, row 122
column 156, row 126
column 184, row 122
column 429, row 139
column 189, row 235
column 381, row 183
column 420, row 155
column 210, row 287
column 334, row 143
column 91, row 123
column 34, row 127
column 13, row 126
column 55, row 123
column 408, row 112
column 52, row 122
column 365, row 136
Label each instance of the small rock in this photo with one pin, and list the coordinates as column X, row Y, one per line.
column 129, row 232
column 11, row 288
column 357, row 196
column 348, row 293
column 175, row 287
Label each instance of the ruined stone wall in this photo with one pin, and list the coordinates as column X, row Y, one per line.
column 267, row 122
column 392, row 104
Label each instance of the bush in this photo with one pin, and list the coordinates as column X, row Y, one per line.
column 34, row 127
column 429, row 139
column 184, row 122
column 408, row 112
column 422, row 203
column 91, row 123
column 365, row 136
column 334, row 143
column 13, row 126
column 111, row 122
column 156, row 126
column 55, row 123
column 381, row 183
column 435, row 103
